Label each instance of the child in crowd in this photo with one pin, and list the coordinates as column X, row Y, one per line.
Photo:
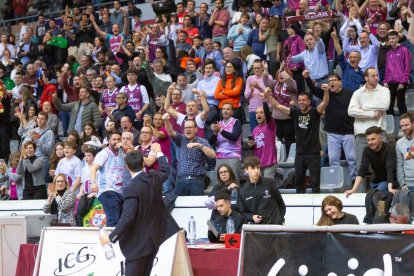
column 71, row 166
column 14, row 187
column 90, row 154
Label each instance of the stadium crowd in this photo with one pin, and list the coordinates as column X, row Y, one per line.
column 209, row 86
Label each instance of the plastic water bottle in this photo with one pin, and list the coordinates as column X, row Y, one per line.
column 108, row 249
column 192, row 237
column 233, row 197
column 230, row 226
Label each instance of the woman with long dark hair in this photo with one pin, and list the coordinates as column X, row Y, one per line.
column 229, row 89
column 332, row 213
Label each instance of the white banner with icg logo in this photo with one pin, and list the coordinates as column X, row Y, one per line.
column 75, row 251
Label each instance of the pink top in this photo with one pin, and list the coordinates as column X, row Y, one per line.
column 253, row 97
column 265, row 147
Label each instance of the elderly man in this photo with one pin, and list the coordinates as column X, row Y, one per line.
column 193, row 153
column 368, row 47
column 400, row 214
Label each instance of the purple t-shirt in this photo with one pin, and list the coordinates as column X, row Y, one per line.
column 265, row 146
column 165, row 144
column 108, row 99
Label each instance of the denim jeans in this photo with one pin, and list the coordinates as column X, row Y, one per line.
column 222, row 39
column 189, row 187
column 335, row 144
column 112, row 204
column 381, row 186
column 65, row 117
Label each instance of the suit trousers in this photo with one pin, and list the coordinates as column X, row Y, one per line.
column 141, row 266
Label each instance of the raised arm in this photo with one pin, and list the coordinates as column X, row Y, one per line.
column 171, row 132
column 270, row 99
column 325, row 101
column 96, row 27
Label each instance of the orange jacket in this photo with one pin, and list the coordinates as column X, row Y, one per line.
column 229, row 94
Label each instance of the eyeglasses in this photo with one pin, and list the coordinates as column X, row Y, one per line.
column 224, row 172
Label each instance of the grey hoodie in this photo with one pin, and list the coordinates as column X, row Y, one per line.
column 405, row 168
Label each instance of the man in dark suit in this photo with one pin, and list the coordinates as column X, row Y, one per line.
column 145, row 222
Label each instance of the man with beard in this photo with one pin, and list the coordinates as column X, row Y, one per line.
column 405, row 153
column 306, row 121
column 380, row 157
column 107, row 178
column 108, row 98
column 127, row 126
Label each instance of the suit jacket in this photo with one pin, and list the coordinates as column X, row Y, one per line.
column 145, row 223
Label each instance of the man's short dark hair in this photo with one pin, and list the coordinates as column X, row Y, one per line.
column 134, row 160
column 305, row 94
column 91, row 151
column 114, row 132
column 132, row 71
column 210, row 62
column 223, row 196
column 366, row 72
column 408, row 116
column 392, row 33
column 251, row 162
column 30, row 143
column 373, row 130
column 335, row 75
column 43, row 114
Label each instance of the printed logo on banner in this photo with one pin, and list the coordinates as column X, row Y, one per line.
column 352, row 265
column 74, row 262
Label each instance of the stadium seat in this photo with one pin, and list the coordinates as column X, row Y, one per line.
column 332, row 179
column 289, row 164
column 390, row 125
column 245, row 134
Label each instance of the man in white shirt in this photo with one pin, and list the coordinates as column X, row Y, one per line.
column 368, row 106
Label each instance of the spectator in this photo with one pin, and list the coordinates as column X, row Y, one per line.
column 306, row 120
column 89, row 137
column 332, row 213
column 190, row 29
column 375, row 12
column 118, row 15
column 352, row 75
column 405, row 153
column 381, row 158
column 108, row 178
column 137, row 96
column 202, row 22
column 159, row 80
column 49, row 88
column 285, row 92
column 247, row 56
column 43, row 137
column 258, row 36
column 255, row 85
column 61, row 200
column 146, row 139
column 268, row 206
column 57, row 154
column 314, row 59
column 229, row 89
column 14, row 180
column 127, row 126
column 239, row 33
column 27, row 51
column 397, row 72
column 221, row 215
column 4, row 44
column 27, row 122
column 192, row 154
column 399, row 214
column 211, row 53
column 116, row 38
column 369, row 52
column 108, row 98
column 368, row 105
column 219, row 21
column 30, row 168
column 186, row 89
column 52, row 118
column 227, row 138
column 70, row 166
column 192, row 112
column 81, row 112
column 226, row 182
column 122, row 109
column 338, row 124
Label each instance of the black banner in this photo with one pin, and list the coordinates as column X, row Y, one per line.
column 327, row 254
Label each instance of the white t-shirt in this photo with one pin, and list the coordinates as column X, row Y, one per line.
column 72, row 168
column 198, row 120
column 86, row 178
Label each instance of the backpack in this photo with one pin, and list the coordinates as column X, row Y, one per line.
column 377, row 203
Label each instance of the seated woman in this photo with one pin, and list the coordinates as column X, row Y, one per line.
column 61, row 200
column 332, row 213
column 226, row 183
